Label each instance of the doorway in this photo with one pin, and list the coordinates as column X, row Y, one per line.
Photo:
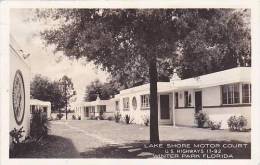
column 198, row 101
column 164, row 107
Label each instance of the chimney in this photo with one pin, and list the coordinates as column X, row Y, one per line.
column 175, row 77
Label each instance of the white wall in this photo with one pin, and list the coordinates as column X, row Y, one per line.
column 222, row 114
column 184, row 117
column 17, row 63
column 139, row 113
column 211, row 96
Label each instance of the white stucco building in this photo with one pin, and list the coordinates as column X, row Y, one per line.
column 19, row 89
column 220, row 95
column 92, row 109
column 44, row 106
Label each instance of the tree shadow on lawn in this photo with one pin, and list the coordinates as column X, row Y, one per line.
column 50, row 147
column 140, row 150
column 60, row 147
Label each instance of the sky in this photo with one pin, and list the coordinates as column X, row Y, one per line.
column 43, row 61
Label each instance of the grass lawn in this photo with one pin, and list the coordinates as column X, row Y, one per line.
column 107, row 139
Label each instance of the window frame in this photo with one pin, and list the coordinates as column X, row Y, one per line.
column 249, row 93
column 187, row 98
column 126, row 103
column 240, row 94
column 145, row 101
column 134, row 103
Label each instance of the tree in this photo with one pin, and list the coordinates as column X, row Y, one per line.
column 103, row 90
column 66, row 86
column 126, row 42
column 221, row 43
column 43, row 89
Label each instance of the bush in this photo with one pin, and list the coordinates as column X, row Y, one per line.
column 110, row 118
column 214, row 125
column 200, row 118
column 146, row 120
column 19, row 146
column 102, row 117
column 79, row 117
column 73, row 117
column 237, row 123
column 59, row 116
column 128, row 119
column 117, row 117
column 92, row 117
column 39, row 125
column 16, row 142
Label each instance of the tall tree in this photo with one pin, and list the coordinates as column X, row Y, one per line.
column 126, row 41
column 43, row 89
column 66, row 86
column 221, row 43
column 104, row 90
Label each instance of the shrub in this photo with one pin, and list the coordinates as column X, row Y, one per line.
column 237, row 123
column 16, row 142
column 73, row 117
column 102, row 117
column 38, row 125
column 200, row 118
column 146, row 120
column 19, row 146
column 214, row 125
column 128, row 119
column 110, row 118
column 117, row 117
column 79, row 117
column 59, row 116
column 92, row 117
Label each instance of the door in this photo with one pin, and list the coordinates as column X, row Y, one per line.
column 198, row 101
column 164, row 107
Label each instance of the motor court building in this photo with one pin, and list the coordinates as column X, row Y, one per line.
column 19, row 89
column 94, row 109
column 39, row 105
column 220, row 94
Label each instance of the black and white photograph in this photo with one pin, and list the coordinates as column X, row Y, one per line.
column 130, row 83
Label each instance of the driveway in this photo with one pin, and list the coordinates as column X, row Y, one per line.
column 107, row 139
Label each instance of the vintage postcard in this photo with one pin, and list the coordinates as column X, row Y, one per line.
column 114, row 81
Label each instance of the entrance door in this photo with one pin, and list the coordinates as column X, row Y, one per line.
column 198, row 101
column 164, row 107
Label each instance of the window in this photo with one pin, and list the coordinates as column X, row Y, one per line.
column 176, row 100
column 230, row 94
column 246, row 93
column 187, row 99
column 145, row 101
column 126, row 103
column 102, row 108
column 32, row 109
column 134, row 103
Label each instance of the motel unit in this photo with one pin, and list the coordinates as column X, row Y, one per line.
column 220, row 94
column 42, row 106
column 95, row 108
column 19, row 77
